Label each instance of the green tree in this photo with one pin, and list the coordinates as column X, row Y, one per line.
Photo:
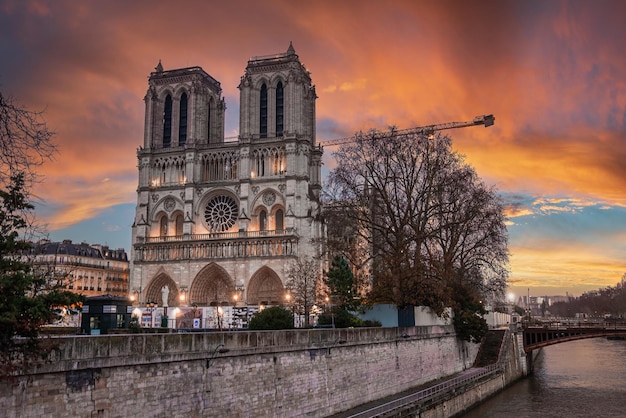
column 27, row 298
column 341, row 285
column 469, row 322
column 274, row 317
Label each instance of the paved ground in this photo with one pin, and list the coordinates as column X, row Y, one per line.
column 361, row 411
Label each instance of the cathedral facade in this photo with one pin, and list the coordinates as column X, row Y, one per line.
column 219, row 221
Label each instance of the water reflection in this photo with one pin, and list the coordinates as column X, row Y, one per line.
column 584, row 378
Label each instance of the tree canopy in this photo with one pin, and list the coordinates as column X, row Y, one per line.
column 302, row 283
column 274, row 317
column 429, row 224
column 342, row 291
column 25, row 141
column 27, row 296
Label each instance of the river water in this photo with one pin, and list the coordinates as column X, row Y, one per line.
column 584, row 378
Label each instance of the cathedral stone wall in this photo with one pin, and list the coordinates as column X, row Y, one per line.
column 271, row 374
column 219, row 219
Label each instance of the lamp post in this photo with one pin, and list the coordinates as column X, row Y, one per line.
column 134, row 297
column 291, row 305
column 220, row 349
column 332, row 315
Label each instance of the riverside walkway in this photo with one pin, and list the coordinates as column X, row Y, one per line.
column 422, row 395
column 492, row 351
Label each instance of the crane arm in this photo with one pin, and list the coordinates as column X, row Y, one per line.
column 485, row 120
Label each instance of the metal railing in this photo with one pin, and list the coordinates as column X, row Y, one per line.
column 441, row 389
column 430, row 392
column 222, row 236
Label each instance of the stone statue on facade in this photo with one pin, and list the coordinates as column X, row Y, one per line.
column 165, row 292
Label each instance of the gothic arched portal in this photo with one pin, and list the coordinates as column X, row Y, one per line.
column 211, row 287
column 153, row 291
column 265, row 288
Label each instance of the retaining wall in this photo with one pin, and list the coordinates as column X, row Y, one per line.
column 514, row 366
column 287, row 373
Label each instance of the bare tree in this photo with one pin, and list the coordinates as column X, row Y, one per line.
column 344, row 241
column 303, row 279
column 427, row 219
column 25, row 141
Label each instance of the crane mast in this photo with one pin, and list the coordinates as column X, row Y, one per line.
column 483, row 120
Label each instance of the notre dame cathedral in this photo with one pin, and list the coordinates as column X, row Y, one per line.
column 219, row 221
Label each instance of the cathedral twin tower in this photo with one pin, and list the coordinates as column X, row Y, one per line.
column 220, row 221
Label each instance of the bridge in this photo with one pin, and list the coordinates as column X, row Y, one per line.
column 542, row 336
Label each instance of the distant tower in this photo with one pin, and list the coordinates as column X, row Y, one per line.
column 216, row 218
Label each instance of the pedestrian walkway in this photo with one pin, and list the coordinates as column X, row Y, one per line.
column 419, row 394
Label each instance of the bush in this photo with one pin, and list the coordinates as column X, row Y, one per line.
column 134, row 326
column 275, row 317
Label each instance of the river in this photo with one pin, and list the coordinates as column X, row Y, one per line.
column 584, row 378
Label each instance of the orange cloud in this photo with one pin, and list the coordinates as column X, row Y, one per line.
column 553, row 74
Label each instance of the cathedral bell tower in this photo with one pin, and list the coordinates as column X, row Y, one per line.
column 217, row 219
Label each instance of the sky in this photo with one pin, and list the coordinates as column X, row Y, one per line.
column 553, row 73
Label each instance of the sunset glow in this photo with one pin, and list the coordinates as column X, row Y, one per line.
column 552, row 72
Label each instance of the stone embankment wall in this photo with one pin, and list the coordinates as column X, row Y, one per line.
column 286, row 373
column 514, row 365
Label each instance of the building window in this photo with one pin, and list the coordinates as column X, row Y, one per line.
column 262, row 221
column 221, row 213
column 208, row 120
column 179, row 225
column 280, row 106
column 163, row 226
column 280, row 220
column 167, row 122
column 263, row 118
column 182, row 126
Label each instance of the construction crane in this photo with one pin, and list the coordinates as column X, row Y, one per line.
column 485, row 120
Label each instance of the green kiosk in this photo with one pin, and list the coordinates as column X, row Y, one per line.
column 103, row 313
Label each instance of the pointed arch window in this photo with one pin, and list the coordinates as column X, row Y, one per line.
column 179, row 225
column 167, row 122
column 208, row 120
column 280, row 108
column 182, row 121
column 263, row 110
column 262, row 221
column 280, row 220
column 163, row 226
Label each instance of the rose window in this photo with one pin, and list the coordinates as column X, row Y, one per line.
column 221, row 213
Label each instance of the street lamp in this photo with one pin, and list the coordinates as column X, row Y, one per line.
column 220, row 349
column 292, row 306
column 134, row 297
column 332, row 315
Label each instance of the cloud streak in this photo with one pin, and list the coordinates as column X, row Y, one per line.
column 553, row 73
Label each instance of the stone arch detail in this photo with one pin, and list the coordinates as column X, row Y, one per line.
column 163, row 94
column 265, row 288
column 212, row 286
column 277, row 78
column 178, row 92
column 153, row 291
